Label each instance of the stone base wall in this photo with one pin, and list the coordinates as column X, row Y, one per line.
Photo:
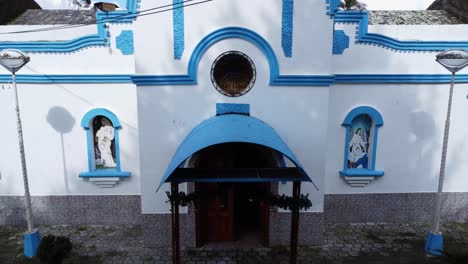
column 73, row 210
column 157, row 229
column 310, row 229
column 393, row 207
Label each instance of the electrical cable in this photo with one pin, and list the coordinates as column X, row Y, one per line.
column 115, row 19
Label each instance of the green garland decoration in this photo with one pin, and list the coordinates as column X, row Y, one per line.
column 181, row 198
column 281, row 201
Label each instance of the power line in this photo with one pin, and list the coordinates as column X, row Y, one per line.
column 116, row 19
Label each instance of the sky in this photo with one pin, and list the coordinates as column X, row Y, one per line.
column 371, row 4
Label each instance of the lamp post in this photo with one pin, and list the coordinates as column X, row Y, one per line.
column 14, row 60
column 454, row 61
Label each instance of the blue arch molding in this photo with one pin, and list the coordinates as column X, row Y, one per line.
column 100, row 39
column 225, row 129
column 364, row 37
column 234, row 32
column 377, row 121
column 86, row 123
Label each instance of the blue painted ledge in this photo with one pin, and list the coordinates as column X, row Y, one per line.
column 105, row 173
column 361, row 173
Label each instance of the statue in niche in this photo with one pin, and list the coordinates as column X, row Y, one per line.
column 104, row 143
column 359, row 143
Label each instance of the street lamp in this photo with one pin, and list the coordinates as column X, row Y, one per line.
column 14, row 60
column 454, row 61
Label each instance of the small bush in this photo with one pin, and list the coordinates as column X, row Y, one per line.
column 53, row 250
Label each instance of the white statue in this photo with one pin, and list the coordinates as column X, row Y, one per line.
column 358, row 149
column 104, row 136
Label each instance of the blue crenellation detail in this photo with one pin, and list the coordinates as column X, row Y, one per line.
column 287, row 23
column 340, row 41
column 225, row 108
column 332, row 6
column 178, row 26
column 124, row 42
column 361, row 18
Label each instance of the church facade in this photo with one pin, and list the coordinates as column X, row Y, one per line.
column 232, row 98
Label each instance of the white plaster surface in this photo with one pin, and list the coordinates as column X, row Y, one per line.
column 410, row 141
column 55, row 142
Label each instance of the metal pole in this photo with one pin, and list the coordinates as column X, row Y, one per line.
column 438, row 199
column 294, row 225
column 23, row 159
column 175, row 226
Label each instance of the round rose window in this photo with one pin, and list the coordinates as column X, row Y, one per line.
column 233, row 73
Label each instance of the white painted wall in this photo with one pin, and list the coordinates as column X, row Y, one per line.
column 366, row 59
column 168, row 113
column 312, row 33
column 55, row 142
column 410, row 141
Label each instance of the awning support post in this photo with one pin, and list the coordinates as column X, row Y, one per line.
column 294, row 225
column 175, row 225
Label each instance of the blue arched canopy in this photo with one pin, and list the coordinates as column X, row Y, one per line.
column 226, row 129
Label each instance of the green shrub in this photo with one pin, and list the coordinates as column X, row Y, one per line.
column 52, row 249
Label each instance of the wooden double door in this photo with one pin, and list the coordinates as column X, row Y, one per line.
column 229, row 212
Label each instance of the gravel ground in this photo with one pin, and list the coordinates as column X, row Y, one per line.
column 344, row 243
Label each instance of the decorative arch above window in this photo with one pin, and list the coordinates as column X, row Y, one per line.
column 362, row 128
column 102, row 134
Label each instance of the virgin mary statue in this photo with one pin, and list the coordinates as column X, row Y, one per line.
column 104, row 137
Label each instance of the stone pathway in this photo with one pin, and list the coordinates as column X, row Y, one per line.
column 344, row 243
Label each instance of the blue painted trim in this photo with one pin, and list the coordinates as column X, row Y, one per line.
column 225, row 108
column 290, row 80
column 90, row 115
column 31, row 243
column 361, row 173
column 124, row 42
column 374, row 114
column 178, row 28
column 287, row 24
column 105, row 173
column 377, row 121
column 86, row 122
column 68, row 78
column 364, row 37
column 434, row 244
column 340, row 41
column 100, row 39
column 399, row 78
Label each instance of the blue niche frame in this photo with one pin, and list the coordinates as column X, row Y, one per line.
column 86, row 124
column 100, row 39
column 377, row 121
